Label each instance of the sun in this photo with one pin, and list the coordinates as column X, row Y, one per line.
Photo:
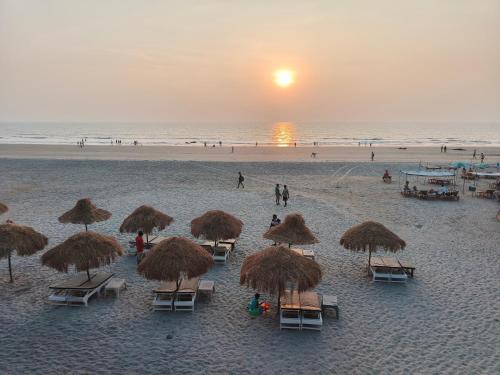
column 284, row 78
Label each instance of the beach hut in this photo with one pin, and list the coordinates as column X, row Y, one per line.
column 372, row 236
column 84, row 212
column 84, row 251
column 3, row 208
column 145, row 218
column 292, row 230
column 24, row 240
column 177, row 263
column 277, row 270
column 220, row 229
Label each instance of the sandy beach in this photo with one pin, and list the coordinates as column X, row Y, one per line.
column 445, row 320
column 247, row 154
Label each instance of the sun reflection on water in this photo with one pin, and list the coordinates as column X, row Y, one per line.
column 284, row 134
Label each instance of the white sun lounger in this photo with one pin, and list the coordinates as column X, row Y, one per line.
column 164, row 296
column 387, row 269
column 306, row 253
column 221, row 253
column 78, row 290
column 186, row 295
column 290, row 311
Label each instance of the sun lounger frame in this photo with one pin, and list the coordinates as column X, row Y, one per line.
column 78, row 295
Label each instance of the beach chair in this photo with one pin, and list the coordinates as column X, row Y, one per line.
column 231, row 242
column 305, row 253
column 310, row 306
column 78, row 290
column 221, row 253
column 290, row 317
column 186, row 295
column 387, row 269
column 164, row 296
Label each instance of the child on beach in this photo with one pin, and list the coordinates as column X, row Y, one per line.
column 285, row 194
column 277, row 193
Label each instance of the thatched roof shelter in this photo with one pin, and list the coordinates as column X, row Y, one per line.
column 173, row 259
column 84, row 212
column 274, row 269
column 24, row 240
column 3, row 208
column 145, row 218
column 216, row 225
column 371, row 236
column 292, row 230
column 84, row 250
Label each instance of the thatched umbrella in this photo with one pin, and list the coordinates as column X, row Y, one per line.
column 84, row 212
column 292, row 230
column 370, row 236
column 84, row 250
column 3, row 208
column 25, row 240
column 145, row 218
column 216, row 225
column 273, row 269
column 174, row 258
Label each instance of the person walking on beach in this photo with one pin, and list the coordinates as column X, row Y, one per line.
column 232, row 149
column 444, row 148
column 220, row 143
column 240, row 180
column 277, row 193
column 482, row 157
column 373, row 155
column 474, row 154
column 285, row 194
column 441, row 148
column 139, row 246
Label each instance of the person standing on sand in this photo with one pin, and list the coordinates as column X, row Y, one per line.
column 373, row 155
column 441, row 148
column 482, row 157
column 286, row 194
column 220, row 143
column 240, row 180
column 232, row 149
column 474, row 154
column 139, row 246
column 444, row 148
column 277, row 193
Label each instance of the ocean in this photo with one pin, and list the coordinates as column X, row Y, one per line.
column 240, row 134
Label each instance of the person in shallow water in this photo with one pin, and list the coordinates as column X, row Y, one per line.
column 285, row 194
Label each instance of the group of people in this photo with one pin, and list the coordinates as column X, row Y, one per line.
column 474, row 156
column 278, row 193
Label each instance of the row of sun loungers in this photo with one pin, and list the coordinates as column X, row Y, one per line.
column 300, row 311
column 78, row 291
column 390, row 269
column 168, row 299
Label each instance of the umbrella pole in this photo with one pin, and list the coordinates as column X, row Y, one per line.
column 88, row 274
column 10, row 270
column 147, row 238
column 86, row 230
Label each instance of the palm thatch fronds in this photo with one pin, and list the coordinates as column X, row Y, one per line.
column 3, row 208
column 84, row 250
column 216, row 225
column 274, row 269
column 84, row 212
column 174, row 258
column 371, row 236
column 145, row 218
column 24, row 240
column 292, row 230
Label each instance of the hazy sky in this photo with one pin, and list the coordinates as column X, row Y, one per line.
column 202, row 60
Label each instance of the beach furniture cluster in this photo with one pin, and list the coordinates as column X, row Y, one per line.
column 178, row 263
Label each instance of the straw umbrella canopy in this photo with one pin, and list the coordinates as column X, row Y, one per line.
column 216, row 225
column 145, row 218
column 273, row 269
column 3, row 208
column 174, row 258
column 292, row 230
column 25, row 240
column 371, row 236
column 84, row 250
column 84, row 212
